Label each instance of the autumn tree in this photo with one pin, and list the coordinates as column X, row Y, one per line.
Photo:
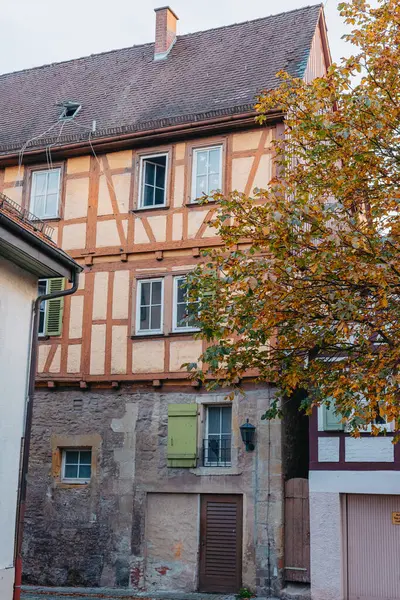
column 304, row 292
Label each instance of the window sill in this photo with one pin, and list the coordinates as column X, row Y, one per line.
column 43, row 338
column 152, row 336
column 149, row 208
column 202, row 204
column 184, row 332
column 75, row 481
column 69, row 486
column 48, row 219
column 147, row 336
column 215, row 471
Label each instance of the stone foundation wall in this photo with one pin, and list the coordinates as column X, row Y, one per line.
column 105, row 533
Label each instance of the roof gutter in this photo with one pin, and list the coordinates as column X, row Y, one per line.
column 23, row 477
column 118, row 140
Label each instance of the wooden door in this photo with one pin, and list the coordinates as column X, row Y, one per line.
column 220, row 544
column 373, row 547
column 297, row 531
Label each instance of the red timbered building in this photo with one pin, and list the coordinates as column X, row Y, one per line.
column 137, row 477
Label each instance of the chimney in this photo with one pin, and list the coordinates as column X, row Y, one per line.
column 165, row 32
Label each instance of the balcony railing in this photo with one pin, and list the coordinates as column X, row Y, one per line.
column 217, row 451
column 15, row 210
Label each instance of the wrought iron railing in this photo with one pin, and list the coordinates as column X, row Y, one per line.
column 14, row 209
column 217, row 451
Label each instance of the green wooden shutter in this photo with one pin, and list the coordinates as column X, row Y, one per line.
column 182, row 435
column 55, row 307
column 332, row 420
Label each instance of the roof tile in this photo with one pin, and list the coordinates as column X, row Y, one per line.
column 206, row 74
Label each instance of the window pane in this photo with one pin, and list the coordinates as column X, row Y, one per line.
column 160, row 177
column 149, row 171
column 86, row 457
column 156, row 292
column 159, row 160
column 213, row 449
column 38, row 206
column 159, row 196
column 213, row 419
column 226, row 449
column 148, row 195
column 155, row 322
column 71, row 456
column 214, row 160
column 51, row 209
column 53, row 184
column 145, row 318
column 213, row 183
column 181, row 290
column 202, row 163
column 226, row 421
column 181, row 315
column 192, row 312
column 42, row 287
column 85, row 471
column 41, row 318
column 201, row 186
column 71, row 471
column 145, row 293
column 39, row 187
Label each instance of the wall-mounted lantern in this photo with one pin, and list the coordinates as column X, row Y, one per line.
column 247, row 431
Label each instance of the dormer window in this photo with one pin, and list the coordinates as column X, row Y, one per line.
column 69, row 110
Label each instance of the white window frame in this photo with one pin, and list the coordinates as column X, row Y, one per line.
column 80, row 480
column 144, row 158
column 138, row 306
column 43, row 333
column 219, row 463
column 175, row 327
column 32, row 199
column 388, row 427
column 194, row 197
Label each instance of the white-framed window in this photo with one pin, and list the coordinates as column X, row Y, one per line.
column 218, row 437
column 207, row 171
column 184, row 313
column 332, row 421
column 153, row 180
column 45, row 193
column 42, row 291
column 150, row 306
column 76, row 465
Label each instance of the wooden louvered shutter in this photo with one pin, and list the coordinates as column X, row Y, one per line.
column 332, row 420
column 55, row 307
column 182, row 435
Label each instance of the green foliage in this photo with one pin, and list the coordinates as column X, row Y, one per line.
column 304, row 292
column 245, row 593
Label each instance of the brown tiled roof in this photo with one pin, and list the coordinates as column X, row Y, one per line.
column 207, row 74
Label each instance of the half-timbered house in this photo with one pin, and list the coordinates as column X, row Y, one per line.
column 138, row 478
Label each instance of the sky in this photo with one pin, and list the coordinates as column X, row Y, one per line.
column 37, row 32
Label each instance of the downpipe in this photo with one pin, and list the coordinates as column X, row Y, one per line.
column 23, row 476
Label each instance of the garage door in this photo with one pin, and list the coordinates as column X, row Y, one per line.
column 373, row 547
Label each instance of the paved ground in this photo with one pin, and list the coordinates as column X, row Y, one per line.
column 41, row 593
column 45, row 593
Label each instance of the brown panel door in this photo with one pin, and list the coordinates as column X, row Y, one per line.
column 297, row 531
column 220, row 544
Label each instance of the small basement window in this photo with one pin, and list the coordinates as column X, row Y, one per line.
column 70, row 110
column 76, row 465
